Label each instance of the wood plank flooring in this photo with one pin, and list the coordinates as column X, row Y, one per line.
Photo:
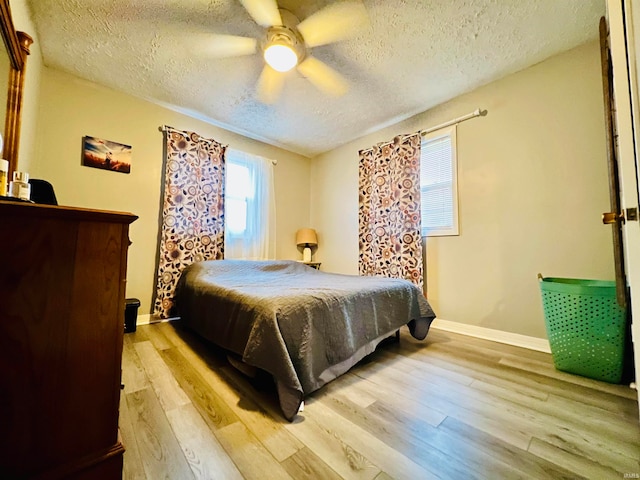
column 448, row 407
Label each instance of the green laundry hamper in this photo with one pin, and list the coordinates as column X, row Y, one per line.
column 586, row 327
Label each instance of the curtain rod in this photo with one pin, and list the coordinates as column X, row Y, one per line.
column 477, row 113
column 165, row 128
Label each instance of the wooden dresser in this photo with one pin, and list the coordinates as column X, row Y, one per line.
column 62, row 301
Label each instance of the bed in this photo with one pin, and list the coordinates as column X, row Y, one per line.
column 303, row 326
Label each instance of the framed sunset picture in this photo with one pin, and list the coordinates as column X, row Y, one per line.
column 105, row 154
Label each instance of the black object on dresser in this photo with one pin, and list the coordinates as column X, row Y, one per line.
column 42, row 192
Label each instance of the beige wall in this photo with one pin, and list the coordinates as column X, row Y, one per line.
column 71, row 108
column 532, row 186
column 532, row 182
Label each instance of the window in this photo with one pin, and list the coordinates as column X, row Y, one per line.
column 249, row 206
column 238, row 193
column 439, row 183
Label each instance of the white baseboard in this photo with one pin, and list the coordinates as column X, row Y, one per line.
column 515, row 339
column 150, row 318
column 145, row 319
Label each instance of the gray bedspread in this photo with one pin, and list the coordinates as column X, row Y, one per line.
column 303, row 326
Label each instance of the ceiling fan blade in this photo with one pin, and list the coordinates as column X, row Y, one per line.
column 333, row 23
column 325, row 78
column 270, row 85
column 223, row 46
column 263, row 12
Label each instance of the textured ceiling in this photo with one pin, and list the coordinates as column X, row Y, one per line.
column 413, row 55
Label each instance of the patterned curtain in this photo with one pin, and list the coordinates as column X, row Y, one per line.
column 193, row 211
column 389, row 210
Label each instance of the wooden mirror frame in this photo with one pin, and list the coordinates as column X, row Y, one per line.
column 17, row 45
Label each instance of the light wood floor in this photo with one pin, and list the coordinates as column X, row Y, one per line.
column 449, row 407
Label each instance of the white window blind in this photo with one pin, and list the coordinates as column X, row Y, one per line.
column 238, row 192
column 439, row 183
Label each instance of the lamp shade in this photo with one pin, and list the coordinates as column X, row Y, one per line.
column 306, row 237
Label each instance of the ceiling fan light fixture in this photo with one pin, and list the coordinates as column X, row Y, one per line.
column 283, row 48
column 280, row 57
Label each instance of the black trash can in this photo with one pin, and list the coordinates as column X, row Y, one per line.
column 130, row 314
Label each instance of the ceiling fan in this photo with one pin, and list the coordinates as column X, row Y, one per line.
column 288, row 42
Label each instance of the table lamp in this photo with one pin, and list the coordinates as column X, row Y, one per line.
column 306, row 238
